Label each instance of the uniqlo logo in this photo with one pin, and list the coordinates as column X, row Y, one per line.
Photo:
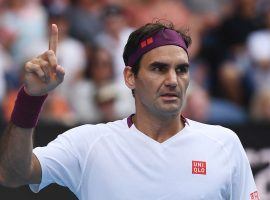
column 198, row 167
column 254, row 196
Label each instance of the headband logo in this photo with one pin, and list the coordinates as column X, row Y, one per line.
column 146, row 42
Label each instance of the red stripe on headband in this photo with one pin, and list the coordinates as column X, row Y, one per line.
column 146, row 42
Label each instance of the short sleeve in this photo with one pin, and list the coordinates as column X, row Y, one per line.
column 62, row 160
column 243, row 184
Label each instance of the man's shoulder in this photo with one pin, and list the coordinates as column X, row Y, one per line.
column 87, row 135
column 216, row 133
column 98, row 130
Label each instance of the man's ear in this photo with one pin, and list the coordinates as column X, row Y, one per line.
column 129, row 77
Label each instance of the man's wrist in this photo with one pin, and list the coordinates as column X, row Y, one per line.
column 26, row 109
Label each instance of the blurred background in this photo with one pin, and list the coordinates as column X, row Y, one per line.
column 229, row 67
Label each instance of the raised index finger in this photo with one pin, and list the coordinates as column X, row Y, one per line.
column 53, row 40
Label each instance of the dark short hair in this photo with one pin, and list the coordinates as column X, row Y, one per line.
column 145, row 31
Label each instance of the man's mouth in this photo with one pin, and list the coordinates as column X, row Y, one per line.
column 170, row 96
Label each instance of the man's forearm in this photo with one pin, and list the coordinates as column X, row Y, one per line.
column 16, row 147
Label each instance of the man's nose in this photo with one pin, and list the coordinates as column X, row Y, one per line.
column 171, row 79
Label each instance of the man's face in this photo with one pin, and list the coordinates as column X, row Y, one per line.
column 161, row 83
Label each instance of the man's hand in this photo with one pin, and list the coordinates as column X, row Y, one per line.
column 43, row 74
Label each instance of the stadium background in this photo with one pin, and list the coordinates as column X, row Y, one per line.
column 229, row 68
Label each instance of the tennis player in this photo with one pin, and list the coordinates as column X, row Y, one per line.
column 154, row 154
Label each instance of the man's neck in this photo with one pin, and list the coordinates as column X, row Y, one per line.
column 158, row 128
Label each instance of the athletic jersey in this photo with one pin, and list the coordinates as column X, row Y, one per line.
column 116, row 162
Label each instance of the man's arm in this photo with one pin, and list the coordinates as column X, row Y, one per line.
column 18, row 165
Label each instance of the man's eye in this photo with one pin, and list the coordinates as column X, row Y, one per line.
column 182, row 69
column 158, row 68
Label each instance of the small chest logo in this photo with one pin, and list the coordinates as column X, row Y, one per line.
column 254, row 196
column 198, row 167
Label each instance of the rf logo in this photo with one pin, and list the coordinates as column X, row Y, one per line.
column 254, row 196
column 198, row 167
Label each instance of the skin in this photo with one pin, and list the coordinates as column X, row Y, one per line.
column 18, row 165
column 160, row 88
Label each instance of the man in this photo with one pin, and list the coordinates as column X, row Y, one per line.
column 154, row 154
